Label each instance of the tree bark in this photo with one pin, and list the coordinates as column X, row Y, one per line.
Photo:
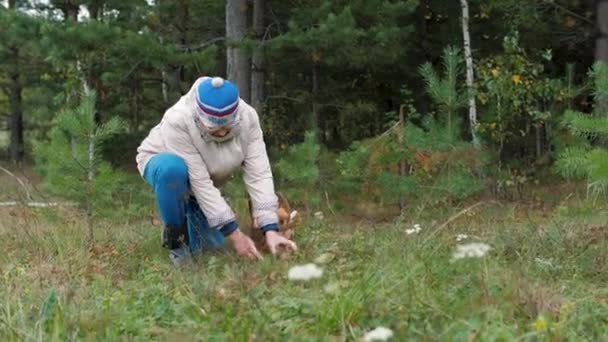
column 402, row 162
column 314, row 120
column 69, row 8
column 469, row 65
column 601, row 47
column 15, row 102
column 257, row 60
column 238, row 68
column 16, row 112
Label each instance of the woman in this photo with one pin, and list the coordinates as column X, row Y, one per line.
column 201, row 140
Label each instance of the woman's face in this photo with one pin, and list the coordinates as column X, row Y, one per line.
column 219, row 132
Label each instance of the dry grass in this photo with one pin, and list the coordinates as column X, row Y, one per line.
column 543, row 279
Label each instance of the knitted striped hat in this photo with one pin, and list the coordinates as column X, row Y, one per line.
column 216, row 101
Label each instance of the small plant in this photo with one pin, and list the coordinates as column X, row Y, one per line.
column 444, row 91
column 588, row 158
column 298, row 172
column 71, row 162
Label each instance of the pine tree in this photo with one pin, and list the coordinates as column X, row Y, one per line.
column 444, row 91
column 298, row 170
column 71, row 162
column 589, row 158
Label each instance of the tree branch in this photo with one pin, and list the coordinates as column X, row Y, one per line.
column 27, row 193
column 570, row 12
column 202, row 45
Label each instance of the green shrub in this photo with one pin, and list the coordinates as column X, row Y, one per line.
column 588, row 157
column 298, row 173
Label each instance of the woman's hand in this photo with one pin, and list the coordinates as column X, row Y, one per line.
column 243, row 245
column 274, row 241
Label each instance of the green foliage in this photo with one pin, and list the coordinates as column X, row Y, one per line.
column 440, row 166
column 352, row 168
column 71, row 162
column 354, row 50
column 444, row 90
column 517, row 96
column 298, row 172
column 589, row 158
column 51, row 315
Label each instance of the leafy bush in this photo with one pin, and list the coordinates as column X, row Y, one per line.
column 520, row 102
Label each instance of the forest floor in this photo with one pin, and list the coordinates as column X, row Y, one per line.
column 544, row 278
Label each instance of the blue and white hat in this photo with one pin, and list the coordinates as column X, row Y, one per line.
column 216, row 101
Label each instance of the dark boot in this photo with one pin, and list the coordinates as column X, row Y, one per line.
column 174, row 237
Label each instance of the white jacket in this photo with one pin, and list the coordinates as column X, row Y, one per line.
column 210, row 163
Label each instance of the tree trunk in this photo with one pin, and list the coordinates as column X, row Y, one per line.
column 314, row 120
column 89, row 223
column 238, row 68
column 257, row 60
column 15, row 104
column 402, row 162
column 601, row 47
column 163, row 81
column 470, row 75
column 69, row 8
column 16, row 112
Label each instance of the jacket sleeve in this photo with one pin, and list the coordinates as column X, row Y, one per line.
column 218, row 212
column 258, row 178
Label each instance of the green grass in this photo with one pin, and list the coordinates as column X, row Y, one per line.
column 544, row 279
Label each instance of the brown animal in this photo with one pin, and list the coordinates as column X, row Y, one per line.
column 287, row 221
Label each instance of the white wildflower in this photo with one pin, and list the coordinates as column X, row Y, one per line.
column 304, row 272
column 471, row 250
column 293, row 215
column 331, row 288
column 378, row 334
column 324, row 258
column 461, row 237
column 319, row 215
column 546, row 263
column 414, row 230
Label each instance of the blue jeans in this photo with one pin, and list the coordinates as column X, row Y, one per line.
column 167, row 174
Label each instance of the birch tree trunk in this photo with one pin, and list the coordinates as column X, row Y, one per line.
column 257, row 60
column 238, row 69
column 469, row 65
